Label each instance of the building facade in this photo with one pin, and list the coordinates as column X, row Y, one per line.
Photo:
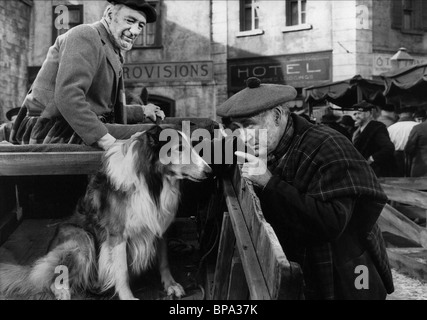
column 199, row 53
column 15, row 20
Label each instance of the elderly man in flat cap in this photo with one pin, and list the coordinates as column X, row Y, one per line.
column 318, row 193
column 77, row 95
column 372, row 140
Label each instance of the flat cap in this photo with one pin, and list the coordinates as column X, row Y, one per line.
column 256, row 98
column 139, row 5
column 363, row 106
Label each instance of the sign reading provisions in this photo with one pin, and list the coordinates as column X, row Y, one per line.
column 300, row 70
column 169, row 71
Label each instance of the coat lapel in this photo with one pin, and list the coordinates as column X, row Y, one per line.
column 112, row 56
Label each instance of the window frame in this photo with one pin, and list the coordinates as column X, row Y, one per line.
column 418, row 15
column 301, row 25
column 77, row 7
column 255, row 29
column 289, row 15
column 254, row 22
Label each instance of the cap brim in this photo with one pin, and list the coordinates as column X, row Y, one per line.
column 149, row 11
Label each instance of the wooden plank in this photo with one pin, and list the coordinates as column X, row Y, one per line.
column 8, row 224
column 394, row 222
column 284, row 278
column 49, row 163
column 416, row 214
column 223, row 262
column 406, row 195
column 417, row 183
column 237, row 288
column 408, row 264
column 256, row 283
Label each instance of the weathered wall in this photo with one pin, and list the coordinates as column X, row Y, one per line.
column 274, row 41
column 14, row 42
column 186, row 37
column 387, row 39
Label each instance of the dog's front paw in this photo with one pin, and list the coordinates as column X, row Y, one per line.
column 175, row 289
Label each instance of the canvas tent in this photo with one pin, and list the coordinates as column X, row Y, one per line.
column 346, row 93
column 406, row 86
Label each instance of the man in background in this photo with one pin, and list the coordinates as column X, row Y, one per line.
column 372, row 140
column 399, row 134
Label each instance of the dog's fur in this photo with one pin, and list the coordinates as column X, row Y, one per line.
column 127, row 207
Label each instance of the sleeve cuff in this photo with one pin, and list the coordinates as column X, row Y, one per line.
column 106, row 141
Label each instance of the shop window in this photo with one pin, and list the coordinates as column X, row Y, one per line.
column 295, row 12
column 65, row 17
column 150, row 35
column 409, row 16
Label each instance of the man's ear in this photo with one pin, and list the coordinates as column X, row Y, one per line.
column 277, row 115
column 110, row 15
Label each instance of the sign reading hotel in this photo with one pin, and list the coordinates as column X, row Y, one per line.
column 170, row 71
column 296, row 70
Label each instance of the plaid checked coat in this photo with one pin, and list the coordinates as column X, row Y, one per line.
column 323, row 202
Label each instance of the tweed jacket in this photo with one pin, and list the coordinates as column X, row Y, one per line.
column 80, row 80
column 375, row 141
column 323, row 201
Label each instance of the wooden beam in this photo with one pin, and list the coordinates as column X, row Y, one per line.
column 256, row 282
column 284, row 278
column 406, row 195
column 226, row 246
column 49, row 163
column 394, row 222
column 417, row 183
column 403, row 262
column 238, row 287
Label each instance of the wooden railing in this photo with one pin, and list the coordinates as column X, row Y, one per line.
column 411, row 258
column 250, row 244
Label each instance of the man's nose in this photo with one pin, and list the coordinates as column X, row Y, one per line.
column 135, row 30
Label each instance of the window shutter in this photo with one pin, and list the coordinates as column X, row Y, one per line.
column 396, row 9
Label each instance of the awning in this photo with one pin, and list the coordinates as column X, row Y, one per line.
column 406, row 86
column 346, row 93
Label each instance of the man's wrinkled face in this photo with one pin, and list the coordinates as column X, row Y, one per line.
column 125, row 25
column 260, row 132
column 361, row 118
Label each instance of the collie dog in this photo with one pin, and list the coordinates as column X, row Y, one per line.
column 118, row 225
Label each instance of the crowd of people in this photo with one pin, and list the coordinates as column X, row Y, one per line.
column 391, row 139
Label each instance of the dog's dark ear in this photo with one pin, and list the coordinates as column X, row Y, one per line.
column 154, row 135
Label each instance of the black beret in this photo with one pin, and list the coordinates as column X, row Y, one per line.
column 139, row 5
column 256, row 98
column 363, row 106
